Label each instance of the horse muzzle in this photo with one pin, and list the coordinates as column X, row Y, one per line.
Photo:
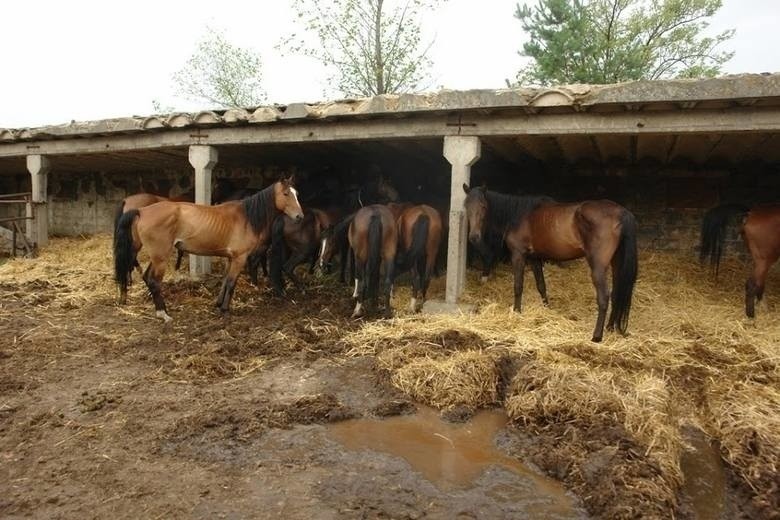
column 475, row 239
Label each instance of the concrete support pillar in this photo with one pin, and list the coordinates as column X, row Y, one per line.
column 203, row 158
column 38, row 229
column 461, row 152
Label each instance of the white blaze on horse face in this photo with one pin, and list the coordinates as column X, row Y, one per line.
column 295, row 212
column 354, row 294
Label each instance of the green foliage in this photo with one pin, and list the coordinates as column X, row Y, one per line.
column 608, row 41
column 371, row 46
column 221, row 74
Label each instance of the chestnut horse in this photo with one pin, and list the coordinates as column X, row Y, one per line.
column 538, row 229
column 760, row 229
column 233, row 230
column 373, row 238
column 419, row 236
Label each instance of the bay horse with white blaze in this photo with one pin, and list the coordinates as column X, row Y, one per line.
column 232, row 230
column 760, row 229
column 373, row 238
column 419, row 237
column 538, row 228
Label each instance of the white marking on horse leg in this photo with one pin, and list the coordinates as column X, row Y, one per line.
column 355, row 293
column 358, row 312
column 483, row 279
column 164, row 315
column 413, row 305
column 322, row 252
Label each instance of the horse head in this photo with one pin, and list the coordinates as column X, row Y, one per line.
column 386, row 191
column 286, row 199
column 476, row 206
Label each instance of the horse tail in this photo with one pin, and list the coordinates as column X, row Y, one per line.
column 713, row 232
column 276, row 257
column 124, row 255
column 374, row 257
column 418, row 251
column 120, row 210
column 626, row 267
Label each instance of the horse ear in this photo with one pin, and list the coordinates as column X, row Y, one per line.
column 466, row 188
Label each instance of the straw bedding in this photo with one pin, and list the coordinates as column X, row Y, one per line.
column 691, row 357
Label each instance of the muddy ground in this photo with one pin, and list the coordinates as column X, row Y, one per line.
column 104, row 412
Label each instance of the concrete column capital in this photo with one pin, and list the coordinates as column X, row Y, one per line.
column 38, row 164
column 462, row 150
column 203, row 156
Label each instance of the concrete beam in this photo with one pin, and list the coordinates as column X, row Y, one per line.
column 203, row 158
column 461, row 152
column 696, row 121
column 38, row 229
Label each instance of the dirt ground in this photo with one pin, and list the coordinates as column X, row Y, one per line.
column 105, row 412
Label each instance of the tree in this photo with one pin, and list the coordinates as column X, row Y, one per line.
column 221, row 73
column 608, row 41
column 372, row 46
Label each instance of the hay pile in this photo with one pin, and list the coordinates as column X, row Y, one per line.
column 691, row 358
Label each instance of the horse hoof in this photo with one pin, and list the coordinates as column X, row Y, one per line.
column 164, row 315
column 596, row 339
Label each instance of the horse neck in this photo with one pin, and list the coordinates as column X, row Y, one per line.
column 507, row 210
column 260, row 210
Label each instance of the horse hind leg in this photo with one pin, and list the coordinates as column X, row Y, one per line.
column 153, row 277
column 754, row 287
column 359, row 289
column 229, row 284
column 598, row 274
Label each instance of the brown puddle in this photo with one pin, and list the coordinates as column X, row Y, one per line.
column 454, row 456
column 705, row 479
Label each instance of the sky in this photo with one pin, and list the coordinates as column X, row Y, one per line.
column 96, row 59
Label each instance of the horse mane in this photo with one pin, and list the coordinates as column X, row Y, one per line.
column 260, row 208
column 505, row 211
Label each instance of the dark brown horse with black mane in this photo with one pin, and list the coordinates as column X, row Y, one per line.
column 536, row 229
column 760, row 229
column 293, row 243
column 373, row 238
column 232, row 230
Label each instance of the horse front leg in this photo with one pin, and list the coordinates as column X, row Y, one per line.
column 234, row 269
column 541, row 286
column 289, row 269
column 598, row 275
column 518, row 264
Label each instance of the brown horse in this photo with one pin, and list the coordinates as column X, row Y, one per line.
column 137, row 201
column 419, row 236
column 232, row 230
column 373, row 237
column 538, row 229
column 760, row 229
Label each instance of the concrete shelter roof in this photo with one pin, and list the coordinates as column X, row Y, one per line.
column 744, row 89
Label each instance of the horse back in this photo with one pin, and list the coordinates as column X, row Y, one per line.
column 141, row 200
column 761, row 232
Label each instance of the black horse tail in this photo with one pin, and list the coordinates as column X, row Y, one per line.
column 276, row 256
column 124, row 255
column 418, row 251
column 374, row 258
column 713, row 232
column 626, row 268
column 120, row 210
